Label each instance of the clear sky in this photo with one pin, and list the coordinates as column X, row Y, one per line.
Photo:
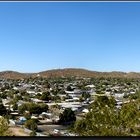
column 96, row 36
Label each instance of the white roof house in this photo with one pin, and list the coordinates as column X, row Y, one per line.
column 119, row 95
column 85, row 110
column 90, row 86
column 45, row 113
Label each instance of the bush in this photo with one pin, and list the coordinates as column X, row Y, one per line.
column 67, row 117
column 3, row 127
column 105, row 120
column 33, row 108
column 31, row 124
column 33, row 133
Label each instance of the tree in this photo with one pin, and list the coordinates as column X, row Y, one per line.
column 33, row 133
column 33, row 108
column 22, row 108
column 3, row 95
column 3, row 127
column 135, row 96
column 27, row 115
column 85, row 95
column 81, row 99
column 15, row 106
column 62, row 92
column 31, row 124
column 55, row 92
column 106, row 120
column 43, row 107
column 3, row 110
column 69, row 88
column 38, row 96
column 45, row 96
column 17, row 97
column 102, row 101
column 67, row 117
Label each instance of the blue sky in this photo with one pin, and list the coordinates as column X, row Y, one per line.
column 103, row 36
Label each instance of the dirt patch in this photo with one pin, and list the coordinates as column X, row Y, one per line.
column 18, row 131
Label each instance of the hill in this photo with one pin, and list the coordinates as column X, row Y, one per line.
column 68, row 72
column 13, row 75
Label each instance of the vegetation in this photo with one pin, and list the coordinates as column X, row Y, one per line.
column 85, row 95
column 31, row 124
column 112, row 101
column 33, row 133
column 106, row 120
column 67, row 117
column 3, row 110
column 45, row 96
column 4, row 127
column 33, row 108
column 135, row 96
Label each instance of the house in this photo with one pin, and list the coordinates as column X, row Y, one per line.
column 118, row 95
column 92, row 93
column 75, row 93
column 20, row 102
column 14, row 113
column 91, row 86
column 34, row 117
column 47, row 115
column 85, row 110
column 15, row 88
column 37, row 100
column 21, row 121
column 74, row 109
column 32, row 92
column 107, row 93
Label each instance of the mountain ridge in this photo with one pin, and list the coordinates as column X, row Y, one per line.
column 67, row 72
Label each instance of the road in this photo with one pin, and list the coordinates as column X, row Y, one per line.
column 50, row 128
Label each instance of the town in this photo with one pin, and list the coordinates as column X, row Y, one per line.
column 69, row 69
column 49, row 106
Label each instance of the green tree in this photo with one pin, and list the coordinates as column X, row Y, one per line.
column 33, row 108
column 43, row 107
column 85, row 95
column 33, row 133
column 27, row 115
column 3, row 110
column 68, row 116
column 45, row 96
column 22, row 108
column 4, row 127
column 15, row 106
column 106, row 120
column 135, row 96
column 31, row 124
column 102, row 101
column 69, row 88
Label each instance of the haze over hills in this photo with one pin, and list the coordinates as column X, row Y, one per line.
column 67, row 72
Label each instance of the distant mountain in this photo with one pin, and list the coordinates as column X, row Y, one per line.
column 67, row 73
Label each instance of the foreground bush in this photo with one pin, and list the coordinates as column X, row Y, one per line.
column 107, row 120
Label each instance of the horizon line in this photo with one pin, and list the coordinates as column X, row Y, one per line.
column 10, row 70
